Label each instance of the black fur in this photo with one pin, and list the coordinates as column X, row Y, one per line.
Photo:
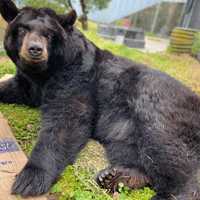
column 145, row 119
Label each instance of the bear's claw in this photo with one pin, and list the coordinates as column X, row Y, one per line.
column 132, row 178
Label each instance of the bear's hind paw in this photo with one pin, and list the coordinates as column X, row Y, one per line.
column 111, row 177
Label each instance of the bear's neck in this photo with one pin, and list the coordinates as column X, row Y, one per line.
column 82, row 52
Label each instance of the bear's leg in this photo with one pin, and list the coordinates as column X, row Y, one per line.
column 168, row 164
column 188, row 192
column 124, row 168
column 14, row 91
column 110, row 178
column 66, row 127
column 171, row 166
column 115, row 132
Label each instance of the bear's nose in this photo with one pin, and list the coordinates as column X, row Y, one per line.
column 35, row 50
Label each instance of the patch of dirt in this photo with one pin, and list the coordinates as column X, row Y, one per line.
column 4, row 58
column 52, row 197
column 93, row 157
column 193, row 70
column 195, row 74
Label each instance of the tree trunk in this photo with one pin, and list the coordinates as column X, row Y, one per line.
column 84, row 19
column 70, row 4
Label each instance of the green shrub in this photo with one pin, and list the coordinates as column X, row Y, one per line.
column 196, row 45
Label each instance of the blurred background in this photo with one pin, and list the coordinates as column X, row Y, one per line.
column 150, row 25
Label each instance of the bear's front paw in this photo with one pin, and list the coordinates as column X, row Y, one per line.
column 32, row 181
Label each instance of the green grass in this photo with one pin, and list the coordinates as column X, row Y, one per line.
column 24, row 122
column 77, row 182
column 7, row 67
column 3, row 53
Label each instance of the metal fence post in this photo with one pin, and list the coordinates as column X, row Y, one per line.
column 153, row 27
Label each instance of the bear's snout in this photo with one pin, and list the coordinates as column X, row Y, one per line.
column 34, row 48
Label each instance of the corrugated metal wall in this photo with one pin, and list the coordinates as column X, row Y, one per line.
column 118, row 9
column 192, row 15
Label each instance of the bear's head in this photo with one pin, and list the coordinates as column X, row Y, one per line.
column 36, row 38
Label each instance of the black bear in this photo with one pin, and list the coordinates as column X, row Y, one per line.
column 148, row 122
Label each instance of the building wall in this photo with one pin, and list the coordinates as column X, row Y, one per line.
column 118, row 9
column 191, row 17
column 168, row 16
column 195, row 19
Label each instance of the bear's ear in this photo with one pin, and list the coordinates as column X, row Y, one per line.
column 68, row 19
column 8, row 10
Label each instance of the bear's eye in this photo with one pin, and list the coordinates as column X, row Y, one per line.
column 48, row 36
column 22, row 31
